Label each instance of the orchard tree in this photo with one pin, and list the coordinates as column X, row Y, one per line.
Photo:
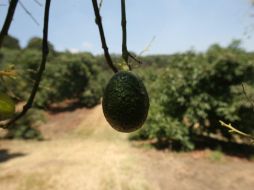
column 36, row 44
column 11, row 43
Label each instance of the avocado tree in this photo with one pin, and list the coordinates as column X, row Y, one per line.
column 11, row 43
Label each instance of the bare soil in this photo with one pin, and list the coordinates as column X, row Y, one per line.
column 82, row 152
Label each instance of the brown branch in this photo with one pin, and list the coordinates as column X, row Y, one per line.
column 8, row 19
column 45, row 51
column 102, row 36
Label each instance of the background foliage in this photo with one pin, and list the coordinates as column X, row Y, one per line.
column 189, row 92
column 78, row 77
column 193, row 91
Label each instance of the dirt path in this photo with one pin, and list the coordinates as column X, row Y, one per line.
column 92, row 156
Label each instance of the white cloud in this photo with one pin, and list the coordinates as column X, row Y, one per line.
column 73, row 50
column 87, row 45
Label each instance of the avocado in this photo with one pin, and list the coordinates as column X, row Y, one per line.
column 125, row 102
column 7, row 107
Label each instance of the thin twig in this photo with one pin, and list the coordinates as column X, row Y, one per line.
column 232, row 129
column 29, row 13
column 247, row 97
column 38, row 3
column 102, row 36
column 135, row 58
column 125, row 53
column 147, row 47
column 8, row 19
column 45, row 51
column 100, row 4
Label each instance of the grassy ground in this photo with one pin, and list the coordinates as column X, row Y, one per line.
column 83, row 153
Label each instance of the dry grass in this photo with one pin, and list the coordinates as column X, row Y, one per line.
column 92, row 156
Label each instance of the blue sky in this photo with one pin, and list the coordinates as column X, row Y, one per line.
column 178, row 25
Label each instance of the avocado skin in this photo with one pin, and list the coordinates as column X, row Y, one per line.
column 125, row 102
column 7, row 107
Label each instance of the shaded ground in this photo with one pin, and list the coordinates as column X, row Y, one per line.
column 83, row 153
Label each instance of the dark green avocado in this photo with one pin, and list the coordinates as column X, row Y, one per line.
column 125, row 102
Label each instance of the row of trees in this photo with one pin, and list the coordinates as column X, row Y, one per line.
column 79, row 77
column 189, row 92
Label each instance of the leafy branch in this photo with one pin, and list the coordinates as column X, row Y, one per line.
column 45, row 51
column 234, row 130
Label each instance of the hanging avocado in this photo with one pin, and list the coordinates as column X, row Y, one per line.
column 125, row 102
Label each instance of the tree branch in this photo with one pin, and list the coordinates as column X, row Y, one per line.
column 8, row 19
column 102, row 36
column 45, row 51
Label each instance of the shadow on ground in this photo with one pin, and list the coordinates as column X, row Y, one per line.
column 5, row 155
column 229, row 148
column 245, row 151
column 67, row 106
